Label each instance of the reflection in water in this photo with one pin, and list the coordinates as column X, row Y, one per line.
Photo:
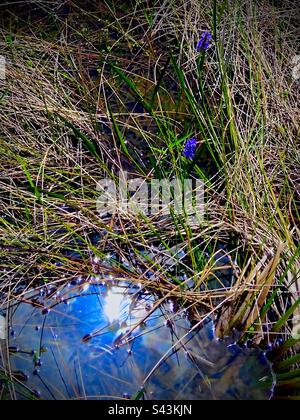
column 71, row 345
column 115, row 303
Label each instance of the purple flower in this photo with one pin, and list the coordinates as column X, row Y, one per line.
column 190, row 148
column 204, row 41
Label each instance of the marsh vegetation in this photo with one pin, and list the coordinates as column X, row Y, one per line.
column 200, row 90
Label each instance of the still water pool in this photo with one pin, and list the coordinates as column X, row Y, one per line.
column 109, row 341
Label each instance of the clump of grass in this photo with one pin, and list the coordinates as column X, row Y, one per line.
column 123, row 92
